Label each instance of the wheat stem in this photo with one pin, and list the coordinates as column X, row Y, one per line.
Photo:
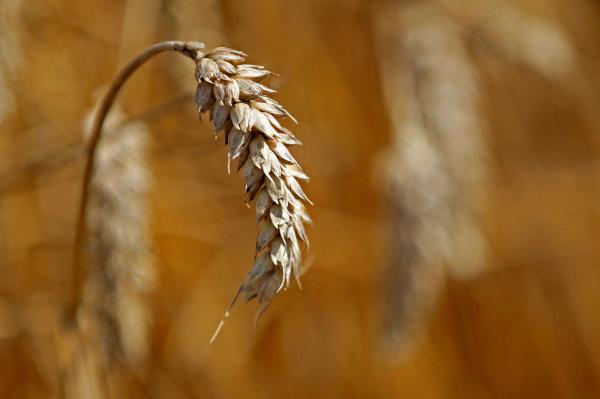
column 184, row 48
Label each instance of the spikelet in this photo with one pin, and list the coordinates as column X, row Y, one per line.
column 121, row 271
column 436, row 167
column 240, row 110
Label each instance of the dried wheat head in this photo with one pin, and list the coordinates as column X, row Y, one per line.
column 238, row 106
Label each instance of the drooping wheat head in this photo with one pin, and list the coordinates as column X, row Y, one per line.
column 239, row 108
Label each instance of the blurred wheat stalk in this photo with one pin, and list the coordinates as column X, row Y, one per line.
column 436, row 169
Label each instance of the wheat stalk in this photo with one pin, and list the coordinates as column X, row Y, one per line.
column 238, row 107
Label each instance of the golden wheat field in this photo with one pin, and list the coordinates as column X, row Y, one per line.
column 436, row 234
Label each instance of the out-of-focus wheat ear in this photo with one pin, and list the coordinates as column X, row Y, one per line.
column 435, row 169
column 11, row 54
column 121, row 265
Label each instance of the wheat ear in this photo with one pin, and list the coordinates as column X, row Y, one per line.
column 238, row 107
column 436, row 168
column 121, row 270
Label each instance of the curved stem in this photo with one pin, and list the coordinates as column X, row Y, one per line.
column 185, row 48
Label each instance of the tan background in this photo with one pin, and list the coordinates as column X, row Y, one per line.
column 528, row 327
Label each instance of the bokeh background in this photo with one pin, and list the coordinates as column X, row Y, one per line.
column 491, row 291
